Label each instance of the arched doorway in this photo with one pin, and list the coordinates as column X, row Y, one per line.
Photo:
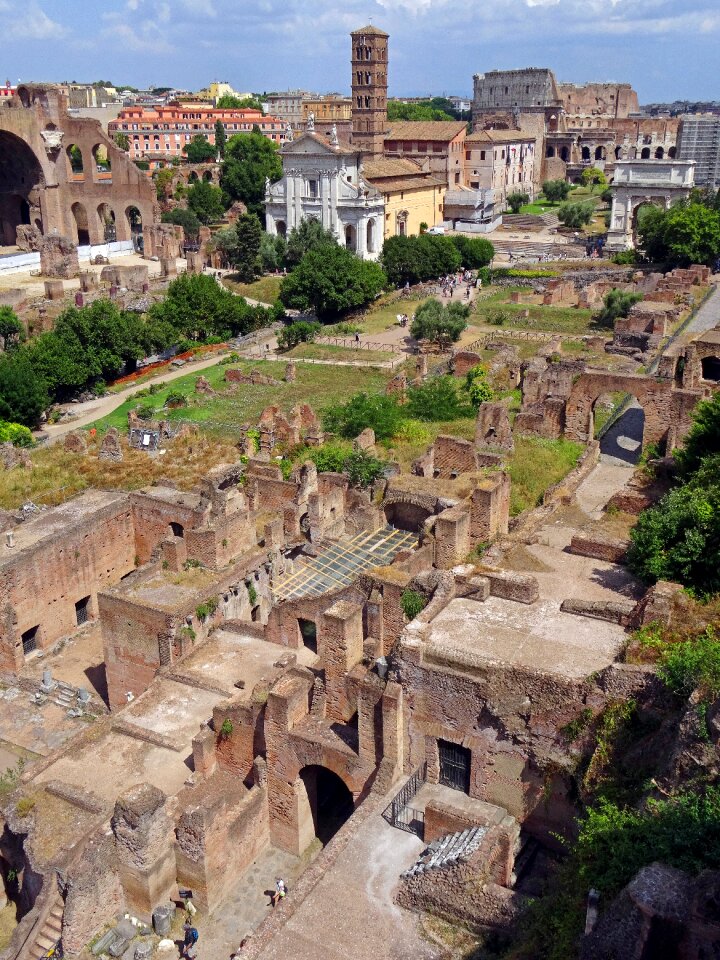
column 406, row 516
column 565, row 154
column 622, row 441
column 207, row 176
column 600, row 153
column 671, row 152
column 550, row 152
column 711, row 369
column 101, row 158
column 21, row 178
column 645, row 153
column 639, row 213
column 82, row 229
column 618, row 152
column 586, row 153
column 659, row 153
column 350, row 237
column 134, row 219
column 281, row 228
column 193, row 178
column 330, row 803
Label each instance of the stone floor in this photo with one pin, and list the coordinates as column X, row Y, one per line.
column 350, row 913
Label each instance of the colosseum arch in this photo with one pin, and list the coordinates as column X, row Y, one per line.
column 21, row 183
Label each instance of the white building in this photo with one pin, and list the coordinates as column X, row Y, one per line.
column 322, row 180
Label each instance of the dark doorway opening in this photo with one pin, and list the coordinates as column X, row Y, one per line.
column 454, row 765
column 331, row 802
column 406, row 516
column 82, row 611
column 308, row 633
column 30, row 639
column 177, row 529
column 711, row 368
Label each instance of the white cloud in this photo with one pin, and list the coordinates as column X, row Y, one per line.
column 34, row 24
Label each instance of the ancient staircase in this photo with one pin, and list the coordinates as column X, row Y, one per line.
column 50, row 931
column 448, row 850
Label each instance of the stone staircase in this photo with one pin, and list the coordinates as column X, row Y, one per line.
column 522, row 221
column 447, row 851
column 50, row 931
column 551, row 220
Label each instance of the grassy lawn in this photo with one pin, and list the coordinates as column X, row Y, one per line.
column 266, row 289
column 537, row 464
column 554, row 319
column 223, row 414
column 382, row 316
column 539, row 207
column 328, row 351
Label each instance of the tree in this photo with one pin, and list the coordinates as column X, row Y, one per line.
column 439, row 323
column 122, row 140
column 246, row 259
column 249, row 159
column 220, row 138
column 206, row 202
column 686, row 233
column 517, row 200
column 23, row 394
column 437, row 399
column 199, row 150
column 703, row 438
column 330, row 280
column 197, row 307
column 185, row 219
column 576, row 215
column 229, row 102
column 295, row 333
column 593, row 177
column 163, row 182
column 11, row 330
column 477, row 388
column 475, row 252
column 308, row 235
column 556, row 190
column 415, row 111
column 382, row 414
column 273, row 250
column 418, row 259
column 617, row 303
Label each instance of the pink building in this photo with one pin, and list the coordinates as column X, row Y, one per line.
column 6, row 90
column 164, row 131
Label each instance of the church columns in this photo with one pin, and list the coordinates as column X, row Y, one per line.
column 361, row 238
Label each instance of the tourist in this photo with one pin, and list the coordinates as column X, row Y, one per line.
column 357, row 336
column 189, row 941
column 280, row 891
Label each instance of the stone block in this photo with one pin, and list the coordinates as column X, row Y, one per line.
column 54, row 290
column 520, row 587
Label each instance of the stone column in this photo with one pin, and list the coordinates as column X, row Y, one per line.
column 361, row 238
column 340, row 647
column 325, row 199
column 334, row 194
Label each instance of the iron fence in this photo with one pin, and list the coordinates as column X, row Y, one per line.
column 399, row 813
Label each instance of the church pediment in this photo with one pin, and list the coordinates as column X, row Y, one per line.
column 308, row 144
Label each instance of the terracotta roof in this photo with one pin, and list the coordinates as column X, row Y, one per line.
column 425, row 130
column 403, row 184
column 371, row 31
column 390, row 167
column 499, row 136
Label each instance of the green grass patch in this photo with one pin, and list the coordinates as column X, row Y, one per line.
column 327, row 351
column 564, row 320
column 537, row 464
column 224, row 413
column 266, row 289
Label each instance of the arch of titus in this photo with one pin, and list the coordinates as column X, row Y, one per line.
column 637, row 182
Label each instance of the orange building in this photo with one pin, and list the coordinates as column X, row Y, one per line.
column 164, row 131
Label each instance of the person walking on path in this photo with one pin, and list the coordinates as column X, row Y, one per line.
column 280, row 891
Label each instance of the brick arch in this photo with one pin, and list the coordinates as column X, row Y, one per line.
column 655, row 396
column 409, row 511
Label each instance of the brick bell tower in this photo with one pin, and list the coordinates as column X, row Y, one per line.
column 369, row 89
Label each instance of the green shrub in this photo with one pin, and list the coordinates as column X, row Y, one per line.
column 577, row 726
column 300, row 332
column 692, row 664
column 477, row 388
column 145, row 411
column 176, row 399
column 383, row 414
column 207, row 609
column 226, row 728
column 412, row 603
column 16, row 434
column 252, row 594
column 439, row 323
column 437, row 399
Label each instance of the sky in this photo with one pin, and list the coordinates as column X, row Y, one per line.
column 667, row 49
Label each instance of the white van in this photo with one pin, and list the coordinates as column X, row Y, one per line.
column 436, row 231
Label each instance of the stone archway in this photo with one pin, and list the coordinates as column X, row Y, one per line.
column 82, row 226
column 638, row 182
column 21, row 182
column 350, row 237
column 327, row 800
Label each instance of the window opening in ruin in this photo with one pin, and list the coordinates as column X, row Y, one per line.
column 255, row 613
column 177, row 529
column 331, row 803
column 82, row 611
column 454, row 765
column 30, row 639
column 711, row 368
column 308, row 633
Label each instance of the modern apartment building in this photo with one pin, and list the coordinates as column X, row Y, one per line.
column 699, row 140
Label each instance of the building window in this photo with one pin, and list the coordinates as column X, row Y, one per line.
column 82, row 611
column 482, row 154
column 312, row 189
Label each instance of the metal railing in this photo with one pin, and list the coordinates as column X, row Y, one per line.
column 399, row 814
column 353, row 344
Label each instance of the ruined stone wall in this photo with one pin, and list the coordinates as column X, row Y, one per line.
column 94, row 894
column 42, row 584
column 282, row 626
column 136, row 643
column 452, row 456
column 152, row 518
